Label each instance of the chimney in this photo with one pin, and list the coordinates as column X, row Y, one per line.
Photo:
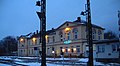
column 36, row 31
column 52, row 28
column 79, row 19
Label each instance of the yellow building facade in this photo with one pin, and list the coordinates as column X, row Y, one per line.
column 69, row 38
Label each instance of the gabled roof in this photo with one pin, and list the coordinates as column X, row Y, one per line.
column 63, row 24
column 82, row 22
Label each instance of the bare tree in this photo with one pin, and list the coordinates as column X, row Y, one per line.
column 110, row 35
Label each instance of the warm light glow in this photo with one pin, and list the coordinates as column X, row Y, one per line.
column 67, row 29
column 21, row 40
column 63, row 50
column 74, row 49
column 53, row 52
column 34, row 39
column 68, row 49
column 46, row 36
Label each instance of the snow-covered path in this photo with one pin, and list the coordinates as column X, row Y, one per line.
column 33, row 61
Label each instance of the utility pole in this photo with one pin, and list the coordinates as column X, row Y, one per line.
column 42, row 17
column 119, row 31
column 90, row 41
column 119, row 23
column 87, row 13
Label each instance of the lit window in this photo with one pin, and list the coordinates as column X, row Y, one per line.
column 63, row 50
column 34, row 40
column 68, row 49
column 22, row 40
column 67, row 30
column 74, row 49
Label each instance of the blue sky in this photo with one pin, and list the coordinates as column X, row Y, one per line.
column 18, row 17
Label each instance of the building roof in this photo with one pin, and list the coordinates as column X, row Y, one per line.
column 52, row 31
column 80, row 22
column 106, row 41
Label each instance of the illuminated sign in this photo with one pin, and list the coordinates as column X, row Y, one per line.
column 67, row 42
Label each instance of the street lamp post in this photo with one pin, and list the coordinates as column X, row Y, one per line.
column 53, row 52
column 42, row 17
column 89, row 26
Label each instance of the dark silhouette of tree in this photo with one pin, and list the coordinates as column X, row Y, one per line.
column 9, row 45
column 110, row 35
column 2, row 49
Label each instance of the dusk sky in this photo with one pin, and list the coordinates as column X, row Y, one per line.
column 18, row 17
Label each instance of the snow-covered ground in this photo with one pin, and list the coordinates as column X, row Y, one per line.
column 50, row 61
column 4, row 64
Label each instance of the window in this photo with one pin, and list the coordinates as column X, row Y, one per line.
column 75, row 32
column 61, row 36
column 61, row 49
column 29, row 42
column 115, row 47
column 52, row 48
column 21, row 51
column 66, row 49
column 72, row 49
column 75, row 35
column 78, row 48
column 101, row 48
column 118, row 49
column 61, row 39
column 29, row 51
column 68, row 36
column 67, row 24
column 34, row 41
column 99, row 37
column 99, row 34
column 53, row 39
column 32, row 51
column 48, row 40
column 94, row 33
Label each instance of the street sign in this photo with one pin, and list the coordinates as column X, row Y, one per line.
column 67, row 42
